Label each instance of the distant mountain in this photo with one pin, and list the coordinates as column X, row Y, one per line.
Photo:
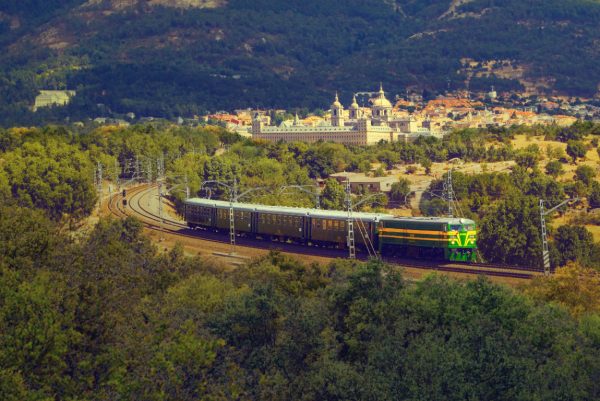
column 182, row 57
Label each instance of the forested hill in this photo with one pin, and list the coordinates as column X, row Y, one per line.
column 181, row 57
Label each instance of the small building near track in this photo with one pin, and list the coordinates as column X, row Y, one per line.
column 361, row 183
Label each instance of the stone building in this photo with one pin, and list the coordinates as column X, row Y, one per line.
column 48, row 98
column 361, row 183
column 351, row 127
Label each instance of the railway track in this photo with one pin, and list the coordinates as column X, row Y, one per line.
column 135, row 207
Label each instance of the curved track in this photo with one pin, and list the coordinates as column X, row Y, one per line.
column 138, row 205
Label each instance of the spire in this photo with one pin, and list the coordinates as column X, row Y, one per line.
column 336, row 102
column 381, row 92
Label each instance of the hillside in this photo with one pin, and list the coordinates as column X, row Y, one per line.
column 181, row 57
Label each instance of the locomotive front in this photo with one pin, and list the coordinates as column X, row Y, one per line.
column 448, row 238
column 462, row 241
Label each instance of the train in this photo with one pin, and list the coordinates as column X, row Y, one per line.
column 448, row 238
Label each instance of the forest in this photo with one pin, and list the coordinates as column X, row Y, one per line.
column 168, row 62
column 53, row 169
column 97, row 313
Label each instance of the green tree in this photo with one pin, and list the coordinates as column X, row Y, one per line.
column 554, row 168
column 379, row 172
column 527, row 159
column 333, row 195
column 28, row 239
column 510, row 233
column 37, row 334
column 400, row 190
column 426, row 164
column 594, row 197
column 574, row 244
column 55, row 177
column 585, row 174
column 576, row 149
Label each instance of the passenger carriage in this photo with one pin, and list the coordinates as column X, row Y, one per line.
column 452, row 239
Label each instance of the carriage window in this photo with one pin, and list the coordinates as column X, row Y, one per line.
column 455, row 227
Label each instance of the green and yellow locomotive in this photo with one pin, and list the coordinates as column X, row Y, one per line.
column 449, row 238
column 452, row 239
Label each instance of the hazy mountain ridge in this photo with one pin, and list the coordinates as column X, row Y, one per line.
column 163, row 57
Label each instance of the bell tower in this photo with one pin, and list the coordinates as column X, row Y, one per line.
column 354, row 110
column 337, row 113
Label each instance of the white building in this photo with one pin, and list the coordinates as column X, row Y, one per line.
column 48, row 98
column 351, row 127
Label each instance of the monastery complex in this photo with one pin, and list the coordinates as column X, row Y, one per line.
column 355, row 126
column 403, row 121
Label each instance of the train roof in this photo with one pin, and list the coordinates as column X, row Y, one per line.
column 444, row 220
column 293, row 211
column 336, row 214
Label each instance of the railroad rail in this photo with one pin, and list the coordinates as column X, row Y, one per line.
column 152, row 221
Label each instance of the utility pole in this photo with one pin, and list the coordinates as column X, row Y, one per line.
column 318, row 199
column 137, row 168
column 232, row 199
column 160, row 208
column 350, row 223
column 187, row 188
column 449, row 192
column 117, row 174
column 99, row 183
column 149, row 171
column 545, row 248
column 160, row 168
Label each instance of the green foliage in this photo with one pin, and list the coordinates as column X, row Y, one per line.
column 434, row 207
column 333, row 195
column 585, row 174
column 426, row 164
column 400, row 190
column 576, row 149
column 54, row 177
column 594, row 197
column 28, row 239
column 527, row 159
column 554, row 168
column 253, row 56
column 37, row 335
column 576, row 244
column 119, row 321
column 510, row 233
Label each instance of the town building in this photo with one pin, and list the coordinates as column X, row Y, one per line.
column 48, row 98
column 355, row 126
column 361, row 183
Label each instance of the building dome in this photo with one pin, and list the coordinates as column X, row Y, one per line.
column 336, row 103
column 354, row 105
column 380, row 101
